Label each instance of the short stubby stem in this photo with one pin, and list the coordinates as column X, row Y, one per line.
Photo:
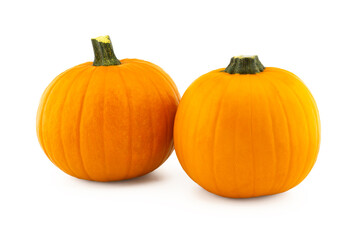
column 244, row 65
column 103, row 51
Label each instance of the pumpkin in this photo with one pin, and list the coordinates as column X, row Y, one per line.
column 246, row 130
column 108, row 120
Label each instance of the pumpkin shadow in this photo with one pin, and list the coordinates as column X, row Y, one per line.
column 207, row 196
column 145, row 179
column 149, row 178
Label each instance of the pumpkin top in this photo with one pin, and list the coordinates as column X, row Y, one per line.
column 244, row 64
column 103, row 51
column 103, row 39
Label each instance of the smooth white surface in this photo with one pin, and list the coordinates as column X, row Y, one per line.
column 317, row 40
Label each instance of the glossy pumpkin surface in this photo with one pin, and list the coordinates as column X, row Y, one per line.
column 108, row 123
column 247, row 135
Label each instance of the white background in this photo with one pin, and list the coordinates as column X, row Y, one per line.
column 317, row 40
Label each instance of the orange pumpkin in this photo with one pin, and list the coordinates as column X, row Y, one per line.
column 108, row 120
column 246, row 130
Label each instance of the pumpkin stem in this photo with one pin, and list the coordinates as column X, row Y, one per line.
column 103, row 51
column 244, row 65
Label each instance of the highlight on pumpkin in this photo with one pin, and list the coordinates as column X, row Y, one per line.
column 247, row 130
column 108, row 120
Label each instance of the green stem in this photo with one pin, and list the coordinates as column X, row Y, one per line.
column 244, row 65
column 103, row 51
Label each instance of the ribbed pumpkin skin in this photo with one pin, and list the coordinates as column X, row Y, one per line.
column 248, row 135
column 108, row 123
